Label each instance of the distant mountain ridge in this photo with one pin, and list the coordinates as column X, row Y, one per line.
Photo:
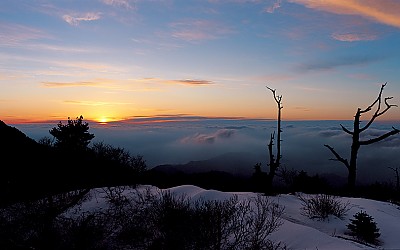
column 236, row 163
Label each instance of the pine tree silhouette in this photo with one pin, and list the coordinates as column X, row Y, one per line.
column 364, row 227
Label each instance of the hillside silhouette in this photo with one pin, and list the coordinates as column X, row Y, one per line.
column 29, row 170
column 24, row 163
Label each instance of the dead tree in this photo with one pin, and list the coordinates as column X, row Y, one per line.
column 357, row 130
column 396, row 171
column 274, row 163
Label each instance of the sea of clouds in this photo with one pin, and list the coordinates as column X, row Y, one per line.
column 181, row 141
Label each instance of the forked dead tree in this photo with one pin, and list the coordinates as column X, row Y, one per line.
column 357, row 130
column 274, row 163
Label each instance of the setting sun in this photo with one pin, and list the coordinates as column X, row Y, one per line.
column 103, row 120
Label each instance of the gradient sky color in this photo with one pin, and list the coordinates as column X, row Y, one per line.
column 112, row 60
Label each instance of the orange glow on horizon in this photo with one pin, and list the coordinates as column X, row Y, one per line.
column 160, row 119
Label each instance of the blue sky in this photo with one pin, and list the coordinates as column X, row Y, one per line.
column 114, row 60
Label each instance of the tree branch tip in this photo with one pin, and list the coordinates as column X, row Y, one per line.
column 273, row 90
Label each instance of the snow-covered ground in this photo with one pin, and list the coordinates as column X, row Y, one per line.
column 300, row 232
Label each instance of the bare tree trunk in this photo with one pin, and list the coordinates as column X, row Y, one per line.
column 274, row 163
column 396, row 170
column 355, row 146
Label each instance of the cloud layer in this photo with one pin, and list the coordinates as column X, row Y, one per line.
column 198, row 138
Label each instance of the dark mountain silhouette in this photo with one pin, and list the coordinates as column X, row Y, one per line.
column 226, row 172
column 18, row 151
column 30, row 170
column 23, row 163
column 12, row 138
column 239, row 164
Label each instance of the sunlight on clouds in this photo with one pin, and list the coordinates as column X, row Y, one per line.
column 383, row 11
column 192, row 82
column 76, row 19
column 123, row 84
column 105, row 120
column 12, row 76
column 100, row 111
column 68, row 84
column 165, row 81
column 91, row 103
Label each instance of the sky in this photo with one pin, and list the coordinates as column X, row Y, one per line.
column 115, row 60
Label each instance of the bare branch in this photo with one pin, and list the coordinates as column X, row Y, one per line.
column 346, row 130
column 378, row 99
column 338, row 157
column 380, row 138
column 277, row 98
column 377, row 113
column 388, row 106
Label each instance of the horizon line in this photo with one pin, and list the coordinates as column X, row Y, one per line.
column 158, row 119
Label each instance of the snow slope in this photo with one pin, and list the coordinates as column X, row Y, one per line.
column 300, row 232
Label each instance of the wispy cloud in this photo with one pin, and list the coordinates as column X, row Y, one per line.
column 15, row 34
column 94, row 83
column 113, row 83
column 199, row 30
column 236, row 1
column 361, row 76
column 95, row 103
column 354, row 37
column 181, row 81
column 276, row 5
column 333, row 63
column 192, row 82
column 383, row 11
column 84, row 67
column 120, row 3
column 75, row 19
column 209, row 138
column 275, row 77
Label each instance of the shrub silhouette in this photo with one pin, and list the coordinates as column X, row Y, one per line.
column 116, row 156
column 320, row 206
column 364, row 227
column 139, row 219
